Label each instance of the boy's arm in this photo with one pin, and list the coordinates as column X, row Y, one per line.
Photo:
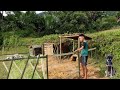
column 79, row 49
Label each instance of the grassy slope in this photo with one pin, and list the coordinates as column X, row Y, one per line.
column 105, row 41
column 108, row 42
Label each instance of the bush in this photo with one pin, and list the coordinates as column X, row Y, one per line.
column 108, row 22
column 10, row 39
column 108, row 42
column 26, row 33
column 1, row 39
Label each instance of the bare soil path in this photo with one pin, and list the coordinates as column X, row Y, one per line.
column 67, row 69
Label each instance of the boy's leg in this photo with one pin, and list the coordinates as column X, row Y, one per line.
column 85, row 66
column 86, row 70
column 82, row 66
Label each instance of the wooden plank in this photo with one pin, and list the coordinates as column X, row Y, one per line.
column 91, row 49
column 1, row 60
column 63, row 54
column 67, row 36
column 15, row 53
column 48, row 48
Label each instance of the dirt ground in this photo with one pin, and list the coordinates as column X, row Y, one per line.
column 67, row 69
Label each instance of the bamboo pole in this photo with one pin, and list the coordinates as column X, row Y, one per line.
column 79, row 57
column 43, row 68
column 25, row 66
column 36, row 66
column 47, row 67
column 73, row 45
column 33, row 69
column 60, row 46
column 10, row 69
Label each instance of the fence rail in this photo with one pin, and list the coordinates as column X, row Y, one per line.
column 70, row 53
column 22, row 72
column 78, row 55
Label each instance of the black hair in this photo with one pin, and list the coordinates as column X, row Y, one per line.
column 81, row 35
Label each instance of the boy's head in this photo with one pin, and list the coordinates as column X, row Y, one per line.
column 82, row 37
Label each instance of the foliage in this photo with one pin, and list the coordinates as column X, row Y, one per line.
column 57, row 22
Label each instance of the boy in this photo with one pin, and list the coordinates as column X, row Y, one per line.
column 84, row 54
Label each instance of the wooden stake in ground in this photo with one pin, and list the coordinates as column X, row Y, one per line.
column 79, row 57
column 60, row 46
column 43, row 68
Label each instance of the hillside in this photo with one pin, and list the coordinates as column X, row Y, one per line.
column 106, row 42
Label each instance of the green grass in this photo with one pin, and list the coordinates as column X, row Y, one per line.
column 45, row 39
column 15, row 73
column 106, row 42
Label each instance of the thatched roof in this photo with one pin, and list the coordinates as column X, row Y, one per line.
column 75, row 36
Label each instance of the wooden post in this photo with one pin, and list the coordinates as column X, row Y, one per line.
column 60, row 46
column 73, row 45
column 10, row 69
column 96, row 55
column 91, row 50
column 43, row 68
column 47, row 67
column 43, row 50
column 57, row 49
column 79, row 57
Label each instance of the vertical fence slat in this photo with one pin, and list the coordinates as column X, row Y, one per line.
column 25, row 67
column 43, row 68
column 18, row 68
column 10, row 68
column 6, row 68
column 35, row 66
column 33, row 69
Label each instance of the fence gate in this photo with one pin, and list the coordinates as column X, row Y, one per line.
column 25, row 68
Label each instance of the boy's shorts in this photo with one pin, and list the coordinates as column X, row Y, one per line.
column 84, row 60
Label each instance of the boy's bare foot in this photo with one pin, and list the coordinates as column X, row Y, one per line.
column 85, row 78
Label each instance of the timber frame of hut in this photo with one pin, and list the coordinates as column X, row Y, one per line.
column 59, row 50
column 48, row 48
column 73, row 37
